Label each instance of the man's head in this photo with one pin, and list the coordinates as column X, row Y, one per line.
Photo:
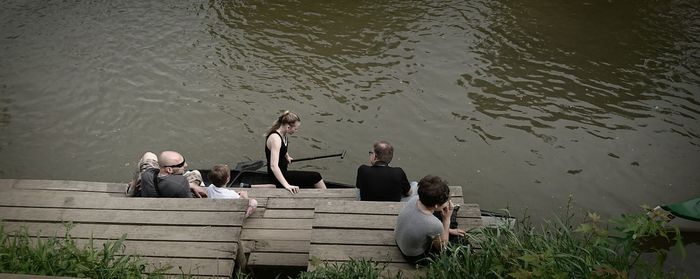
column 172, row 162
column 433, row 191
column 382, row 152
column 220, row 175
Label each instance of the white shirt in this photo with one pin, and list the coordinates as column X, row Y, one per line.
column 214, row 192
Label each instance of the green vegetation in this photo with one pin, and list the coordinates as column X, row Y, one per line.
column 356, row 269
column 61, row 256
column 558, row 249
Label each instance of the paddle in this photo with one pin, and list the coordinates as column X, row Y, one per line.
column 255, row 165
column 341, row 155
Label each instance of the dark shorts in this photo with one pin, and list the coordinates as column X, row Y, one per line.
column 422, row 259
column 303, row 179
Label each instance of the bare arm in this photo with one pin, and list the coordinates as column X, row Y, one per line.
column 446, row 216
column 275, row 144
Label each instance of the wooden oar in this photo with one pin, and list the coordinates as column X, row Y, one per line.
column 341, row 155
column 255, row 165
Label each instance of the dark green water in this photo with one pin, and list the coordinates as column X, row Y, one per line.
column 522, row 102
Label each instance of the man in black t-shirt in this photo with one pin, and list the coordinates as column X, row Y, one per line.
column 379, row 181
column 164, row 176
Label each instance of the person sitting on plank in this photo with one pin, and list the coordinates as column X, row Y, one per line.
column 164, row 176
column 378, row 181
column 278, row 158
column 418, row 233
column 220, row 175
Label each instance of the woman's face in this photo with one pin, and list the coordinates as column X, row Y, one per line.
column 293, row 127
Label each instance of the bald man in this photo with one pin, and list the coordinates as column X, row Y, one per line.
column 164, row 176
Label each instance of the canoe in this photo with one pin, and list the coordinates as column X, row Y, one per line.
column 253, row 177
column 685, row 215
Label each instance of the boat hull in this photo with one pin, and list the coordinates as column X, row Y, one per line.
column 258, row 177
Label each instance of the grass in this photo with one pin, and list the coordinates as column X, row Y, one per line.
column 592, row 248
column 355, row 269
column 61, row 256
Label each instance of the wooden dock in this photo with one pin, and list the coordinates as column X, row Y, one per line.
column 210, row 238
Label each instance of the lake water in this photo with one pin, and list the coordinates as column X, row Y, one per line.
column 523, row 103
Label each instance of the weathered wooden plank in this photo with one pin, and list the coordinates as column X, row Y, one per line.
column 353, row 236
column 350, row 193
column 247, row 245
column 469, row 224
column 383, row 208
column 456, row 191
column 368, row 221
column 262, row 201
column 275, row 223
column 358, row 207
column 289, row 213
column 7, row 184
column 189, row 249
column 269, row 234
column 282, row 246
column 134, row 232
column 259, row 213
column 193, row 266
column 278, row 259
column 291, row 203
column 68, row 185
column 362, row 221
column 346, row 252
column 92, row 201
column 107, row 216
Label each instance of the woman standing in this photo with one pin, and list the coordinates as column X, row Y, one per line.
column 278, row 158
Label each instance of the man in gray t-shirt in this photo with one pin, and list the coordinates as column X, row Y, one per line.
column 417, row 231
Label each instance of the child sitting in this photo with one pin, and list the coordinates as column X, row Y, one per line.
column 220, row 175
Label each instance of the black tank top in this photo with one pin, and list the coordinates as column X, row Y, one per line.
column 283, row 154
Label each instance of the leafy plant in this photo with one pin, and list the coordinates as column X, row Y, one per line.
column 354, row 269
column 558, row 249
column 22, row 253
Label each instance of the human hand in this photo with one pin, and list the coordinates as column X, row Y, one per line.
column 447, row 211
column 289, row 159
column 458, row 232
column 292, row 189
column 243, row 194
column 198, row 191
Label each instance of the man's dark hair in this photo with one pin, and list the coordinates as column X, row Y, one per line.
column 432, row 191
column 383, row 151
column 219, row 175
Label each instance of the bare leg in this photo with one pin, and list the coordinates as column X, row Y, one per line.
column 148, row 160
column 252, row 205
column 320, row 185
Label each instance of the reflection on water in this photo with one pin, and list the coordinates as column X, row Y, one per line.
column 522, row 103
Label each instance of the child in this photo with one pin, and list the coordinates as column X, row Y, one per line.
column 220, row 176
